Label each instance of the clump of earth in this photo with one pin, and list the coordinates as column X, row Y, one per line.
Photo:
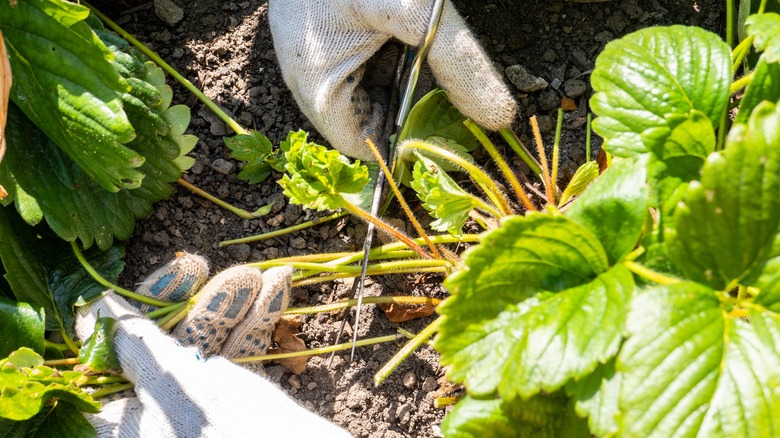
column 546, row 50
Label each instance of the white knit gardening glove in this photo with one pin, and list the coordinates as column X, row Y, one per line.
column 323, row 46
column 178, row 392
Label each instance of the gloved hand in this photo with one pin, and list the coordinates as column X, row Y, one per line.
column 178, row 392
column 322, row 47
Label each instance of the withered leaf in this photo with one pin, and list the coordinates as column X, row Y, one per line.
column 285, row 337
column 405, row 312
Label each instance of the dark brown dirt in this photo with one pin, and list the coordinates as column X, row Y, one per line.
column 225, row 49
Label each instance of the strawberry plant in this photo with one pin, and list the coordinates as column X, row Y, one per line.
column 650, row 307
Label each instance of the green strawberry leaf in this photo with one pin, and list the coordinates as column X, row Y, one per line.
column 539, row 417
column 433, row 118
column 723, row 229
column 614, row 207
column 496, row 303
column 64, row 82
column 766, row 277
column 642, row 83
column 765, row 29
column 255, row 149
column 317, row 176
column 21, row 325
column 596, row 397
column 442, row 197
column 765, row 85
column 98, row 354
column 27, row 385
column 64, row 419
column 691, row 370
column 690, row 134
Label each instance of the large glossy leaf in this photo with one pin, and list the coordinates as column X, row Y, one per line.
column 98, row 353
column 27, row 384
column 43, row 270
column 74, row 206
column 614, row 207
column 433, row 118
column 765, row 29
column 64, row 82
column 643, row 83
column 21, row 325
column 543, row 416
column 689, row 370
column 498, row 301
column 727, row 222
column 65, row 420
column 596, row 397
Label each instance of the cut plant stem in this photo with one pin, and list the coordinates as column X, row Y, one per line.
column 587, row 138
column 120, row 290
column 406, row 350
column 61, row 362
column 111, row 389
column 170, row 70
column 55, row 346
column 741, row 83
column 511, row 138
column 262, row 211
column 277, row 233
column 162, row 311
column 104, row 380
column 543, row 157
column 482, row 179
column 319, row 351
column 740, row 52
column 387, row 228
column 556, row 152
column 366, row 300
column 401, row 200
column 522, row 196
column 69, row 342
column 649, row 274
column 331, row 277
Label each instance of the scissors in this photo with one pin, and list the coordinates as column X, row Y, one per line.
column 393, row 124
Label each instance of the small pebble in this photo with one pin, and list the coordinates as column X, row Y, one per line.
column 523, row 80
column 222, row 166
column 312, row 386
column 298, row 243
column 239, row 252
column 546, row 124
column 409, row 380
column 548, row 100
column 295, row 381
column 575, row 87
column 429, row 384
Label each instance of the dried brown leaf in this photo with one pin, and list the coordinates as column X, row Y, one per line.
column 568, row 104
column 285, row 337
column 405, row 312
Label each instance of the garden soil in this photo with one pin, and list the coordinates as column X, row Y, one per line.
column 225, row 49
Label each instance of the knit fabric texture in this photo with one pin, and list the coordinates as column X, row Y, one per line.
column 323, row 47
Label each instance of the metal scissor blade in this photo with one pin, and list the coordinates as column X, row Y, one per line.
column 403, row 112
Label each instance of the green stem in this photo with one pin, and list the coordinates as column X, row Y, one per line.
column 397, row 246
column 730, row 22
column 649, row 274
column 61, row 362
column 522, row 196
column 376, row 268
column 720, row 142
column 317, row 351
column 277, row 233
column 173, row 318
column 408, row 211
column 170, row 70
column 741, row 83
column 483, row 180
column 742, row 293
column 162, row 311
column 121, row 291
column 104, row 380
column 511, row 138
column 740, row 52
column 112, row 389
column 386, row 228
column 761, row 7
column 55, row 346
column 366, row 300
column 406, row 350
column 69, row 342
column 369, row 272
column 587, row 138
column 240, row 212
